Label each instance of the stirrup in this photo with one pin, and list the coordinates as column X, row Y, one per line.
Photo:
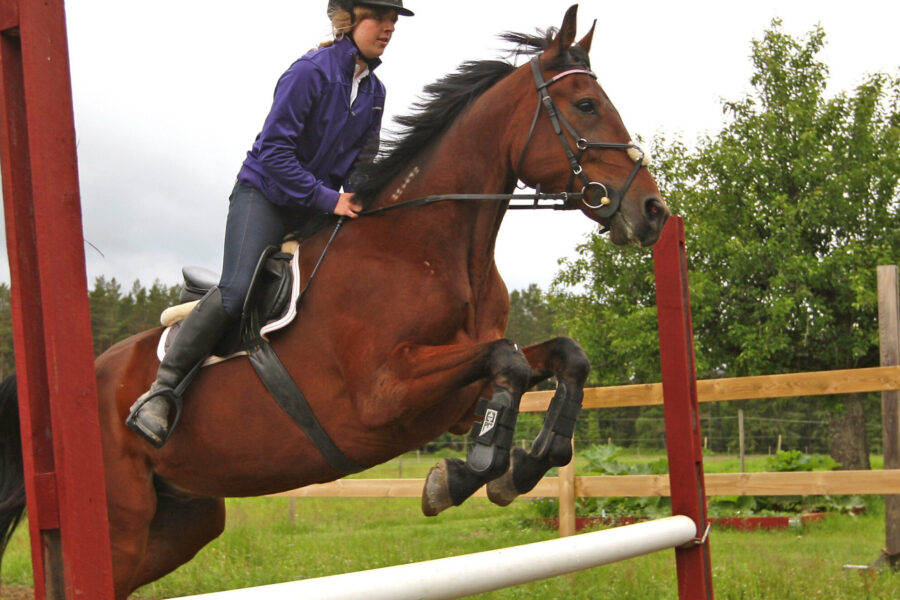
column 174, row 401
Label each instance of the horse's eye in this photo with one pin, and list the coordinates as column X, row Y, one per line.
column 586, row 106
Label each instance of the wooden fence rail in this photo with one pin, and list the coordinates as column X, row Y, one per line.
column 847, row 381
column 820, row 383
column 833, row 483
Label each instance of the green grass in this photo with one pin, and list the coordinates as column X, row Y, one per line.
column 262, row 545
column 410, row 466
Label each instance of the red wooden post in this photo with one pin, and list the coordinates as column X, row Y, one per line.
column 679, row 380
column 65, row 485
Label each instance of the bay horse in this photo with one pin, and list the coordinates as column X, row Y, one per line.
column 401, row 332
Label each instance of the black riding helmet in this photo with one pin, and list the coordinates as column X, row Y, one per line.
column 349, row 4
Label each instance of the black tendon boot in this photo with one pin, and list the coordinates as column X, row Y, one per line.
column 200, row 331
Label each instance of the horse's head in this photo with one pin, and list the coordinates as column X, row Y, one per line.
column 577, row 142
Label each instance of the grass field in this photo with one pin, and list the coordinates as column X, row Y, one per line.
column 265, row 543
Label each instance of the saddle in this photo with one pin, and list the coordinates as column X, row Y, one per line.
column 270, row 305
column 271, row 300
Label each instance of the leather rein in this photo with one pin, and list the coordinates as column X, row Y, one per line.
column 610, row 199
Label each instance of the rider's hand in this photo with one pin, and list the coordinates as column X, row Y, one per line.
column 347, row 206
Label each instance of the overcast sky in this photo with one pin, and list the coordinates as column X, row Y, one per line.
column 169, row 95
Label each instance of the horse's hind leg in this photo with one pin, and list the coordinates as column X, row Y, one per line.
column 563, row 358
column 182, row 525
column 452, row 480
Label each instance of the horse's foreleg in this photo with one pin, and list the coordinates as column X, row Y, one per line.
column 452, row 480
column 563, row 358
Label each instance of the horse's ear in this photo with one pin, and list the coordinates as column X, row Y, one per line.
column 585, row 42
column 566, row 36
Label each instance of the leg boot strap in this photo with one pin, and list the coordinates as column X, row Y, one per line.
column 560, row 420
column 492, row 437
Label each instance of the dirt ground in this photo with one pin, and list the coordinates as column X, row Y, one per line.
column 16, row 593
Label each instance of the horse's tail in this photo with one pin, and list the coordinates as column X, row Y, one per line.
column 12, row 475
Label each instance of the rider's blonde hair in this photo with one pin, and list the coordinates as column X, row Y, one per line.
column 342, row 22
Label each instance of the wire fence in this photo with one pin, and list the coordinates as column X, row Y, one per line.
column 762, row 435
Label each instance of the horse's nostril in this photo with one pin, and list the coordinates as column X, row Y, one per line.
column 655, row 210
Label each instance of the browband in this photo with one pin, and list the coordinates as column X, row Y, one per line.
column 566, row 73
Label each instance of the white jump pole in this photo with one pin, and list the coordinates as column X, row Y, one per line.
column 460, row 576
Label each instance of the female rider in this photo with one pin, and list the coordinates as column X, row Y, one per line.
column 327, row 109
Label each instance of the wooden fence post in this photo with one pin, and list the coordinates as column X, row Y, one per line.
column 567, row 496
column 889, row 340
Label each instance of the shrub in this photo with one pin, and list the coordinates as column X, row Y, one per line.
column 545, row 507
column 794, row 460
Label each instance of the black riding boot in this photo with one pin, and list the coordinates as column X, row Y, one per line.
column 199, row 333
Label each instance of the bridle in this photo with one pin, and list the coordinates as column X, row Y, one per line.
column 610, row 200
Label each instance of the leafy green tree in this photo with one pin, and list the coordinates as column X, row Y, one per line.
column 115, row 316
column 146, row 304
column 788, row 209
column 105, row 300
column 531, row 317
column 7, row 360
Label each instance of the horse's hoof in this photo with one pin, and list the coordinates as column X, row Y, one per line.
column 436, row 493
column 502, row 491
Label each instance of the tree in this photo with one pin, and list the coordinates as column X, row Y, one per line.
column 531, row 318
column 788, row 210
column 115, row 316
column 105, row 299
column 7, row 360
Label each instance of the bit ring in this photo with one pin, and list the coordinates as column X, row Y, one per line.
column 604, row 200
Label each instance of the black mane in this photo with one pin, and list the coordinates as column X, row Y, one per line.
column 442, row 102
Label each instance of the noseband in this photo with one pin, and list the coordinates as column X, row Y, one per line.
column 610, row 200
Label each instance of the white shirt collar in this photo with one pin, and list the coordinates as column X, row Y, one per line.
column 361, row 72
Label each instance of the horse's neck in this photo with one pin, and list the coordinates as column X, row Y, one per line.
column 472, row 157
column 468, row 159
column 464, row 165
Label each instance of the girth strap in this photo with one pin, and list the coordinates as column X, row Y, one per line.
column 287, row 394
column 289, row 397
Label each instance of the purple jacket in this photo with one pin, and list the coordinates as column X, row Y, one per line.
column 312, row 136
